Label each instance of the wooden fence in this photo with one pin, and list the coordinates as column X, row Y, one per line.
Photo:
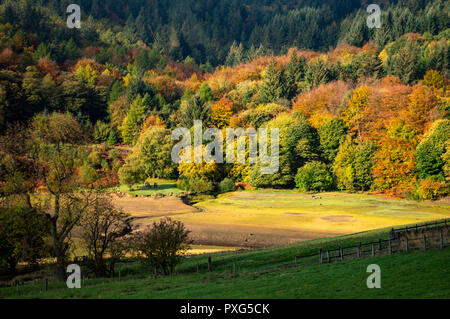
column 419, row 237
column 430, row 225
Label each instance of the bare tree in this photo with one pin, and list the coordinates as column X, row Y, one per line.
column 105, row 228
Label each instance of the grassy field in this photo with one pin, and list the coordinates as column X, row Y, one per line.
column 266, row 218
column 270, row 273
column 164, row 187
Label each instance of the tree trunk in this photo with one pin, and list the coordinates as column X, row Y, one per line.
column 12, row 267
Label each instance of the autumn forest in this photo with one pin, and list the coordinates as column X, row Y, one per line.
column 358, row 109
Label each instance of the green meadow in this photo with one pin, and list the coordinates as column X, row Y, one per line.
column 270, row 273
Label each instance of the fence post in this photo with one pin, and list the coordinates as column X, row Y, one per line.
column 441, row 240
column 234, row 268
column 328, row 256
column 197, row 268
column 416, row 227
column 358, row 251
column 390, row 247
column 424, row 242
column 379, row 245
column 373, row 249
column 341, row 253
column 406, row 243
column 46, row 284
column 209, row 263
column 320, row 255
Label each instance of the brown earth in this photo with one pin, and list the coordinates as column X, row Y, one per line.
column 147, row 209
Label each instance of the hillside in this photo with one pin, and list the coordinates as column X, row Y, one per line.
column 271, row 274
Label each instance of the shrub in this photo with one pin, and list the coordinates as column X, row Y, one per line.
column 227, row 185
column 199, row 186
column 314, row 176
column 113, row 154
column 95, row 158
column 116, row 165
column 104, row 228
column 431, row 188
column 112, row 138
column 162, row 246
column 88, row 174
column 105, row 165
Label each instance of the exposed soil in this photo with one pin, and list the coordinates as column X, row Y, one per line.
column 338, row 218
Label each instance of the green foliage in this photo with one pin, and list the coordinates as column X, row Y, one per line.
column 56, row 129
column 406, row 63
column 353, row 166
column 236, row 55
column 295, row 72
column 115, row 92
column 274, row 84
column 139, row 88
column 135, row 118
column 299, row 143
column 446, row 159
column 147, row 60
column 302, row 142
column 88, row 174
column 95, row 159
column 195, row 109
column 22, row 234
column 429, row 152
column 318, row 72
column 314, row 176
column 163, row 245
column 42, row 51
column 332, row 133
column 102, row 131
column 196, row 185
column 151, row 157
column 227, row 185
column 112, row 138
column 262, row 113
column 205, row 93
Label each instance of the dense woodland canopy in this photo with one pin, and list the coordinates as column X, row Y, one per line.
column 358, row 109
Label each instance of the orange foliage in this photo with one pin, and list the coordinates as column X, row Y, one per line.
column 118, row 111
column 422, row 102
column 322, row 103
column 8, row 59
column 383, row 104
column 152, row 120
column 221, row 113
column 165, row 86
column 93, row 64
column 394, row 168
column 47, row 66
